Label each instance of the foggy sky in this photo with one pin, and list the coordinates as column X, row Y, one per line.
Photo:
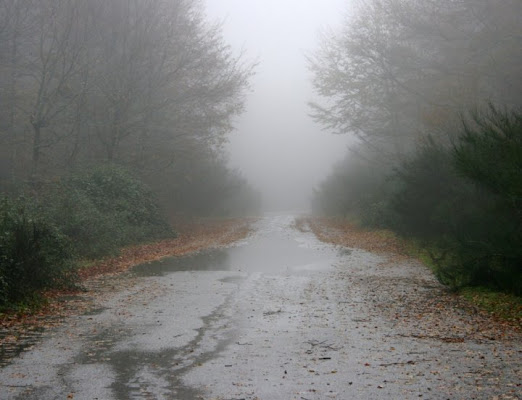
column 276, row 145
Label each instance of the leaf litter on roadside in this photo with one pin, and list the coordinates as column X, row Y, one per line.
column 416, row 301
column 19, row 331
column 404, row 295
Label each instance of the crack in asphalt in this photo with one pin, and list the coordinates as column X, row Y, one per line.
column 302, row 320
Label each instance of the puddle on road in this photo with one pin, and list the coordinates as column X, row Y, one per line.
column 279, row 253
column 158, row 374
column 278, row 249
column 275, row 248
column 214, row 260
column 10, row 350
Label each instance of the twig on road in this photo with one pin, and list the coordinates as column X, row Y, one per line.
column 410, row 362
column 322, row 345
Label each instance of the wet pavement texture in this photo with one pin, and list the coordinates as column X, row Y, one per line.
column 278, row 315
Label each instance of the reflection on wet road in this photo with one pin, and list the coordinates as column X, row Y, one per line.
column 273, row 248
column 176, row 318
column 277, row 316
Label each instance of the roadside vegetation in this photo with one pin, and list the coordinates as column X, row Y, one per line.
column 460, row 203
column 113, row 117
column 505, row 308
column 439, row 127
column 46, row 235
column 34, row 255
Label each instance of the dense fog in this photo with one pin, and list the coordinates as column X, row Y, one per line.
column 122, row 120
column 226, row 107
column 432, row 92
column 280, row 149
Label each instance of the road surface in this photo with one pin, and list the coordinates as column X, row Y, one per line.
column 279, row 315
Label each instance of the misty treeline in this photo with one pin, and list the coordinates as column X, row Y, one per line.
column 433, row 92
column 99, row 101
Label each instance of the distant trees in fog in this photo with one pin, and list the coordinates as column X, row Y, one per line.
column 97, row 96
column 399, row 70
column 147, row 84
column 433, row 90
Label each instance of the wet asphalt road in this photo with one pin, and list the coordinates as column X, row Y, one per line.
column 276, row 316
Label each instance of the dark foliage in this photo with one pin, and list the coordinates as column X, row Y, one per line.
column 489, row 154
column 461, row 203
column 34, row 255
column 465, row 203
column 431, row 196
column 88, row 215
column 104, row 209
column 358, row 188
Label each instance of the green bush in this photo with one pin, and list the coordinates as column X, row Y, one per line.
column 90, row 231
column 104, row 209
column 464, row 203
column 431, row 198
column 489, row 154
column 360, row 189
column 34, row 255
column 87, row 215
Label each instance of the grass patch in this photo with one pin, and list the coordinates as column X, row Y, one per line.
column 502, row 305
column 31, row 304
column 426, row 256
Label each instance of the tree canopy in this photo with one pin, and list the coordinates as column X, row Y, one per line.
column 150, row 85
column 433, row 91
column 399, row 69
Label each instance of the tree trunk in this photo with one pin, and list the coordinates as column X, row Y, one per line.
column 37, row 139
column 11, row 90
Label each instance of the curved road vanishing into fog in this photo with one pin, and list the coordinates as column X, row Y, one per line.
column 279, row 315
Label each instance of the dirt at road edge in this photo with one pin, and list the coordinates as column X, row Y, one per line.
column 417, row 301
column 19, row 332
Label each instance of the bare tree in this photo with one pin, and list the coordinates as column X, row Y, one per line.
column 148, row 84
column 48, row 58
column 161, row 74
column 14, row 29
column 400, row 69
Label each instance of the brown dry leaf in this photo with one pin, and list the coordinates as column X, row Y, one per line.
column 427, row 309
column 344, row 233
column 194, row 235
